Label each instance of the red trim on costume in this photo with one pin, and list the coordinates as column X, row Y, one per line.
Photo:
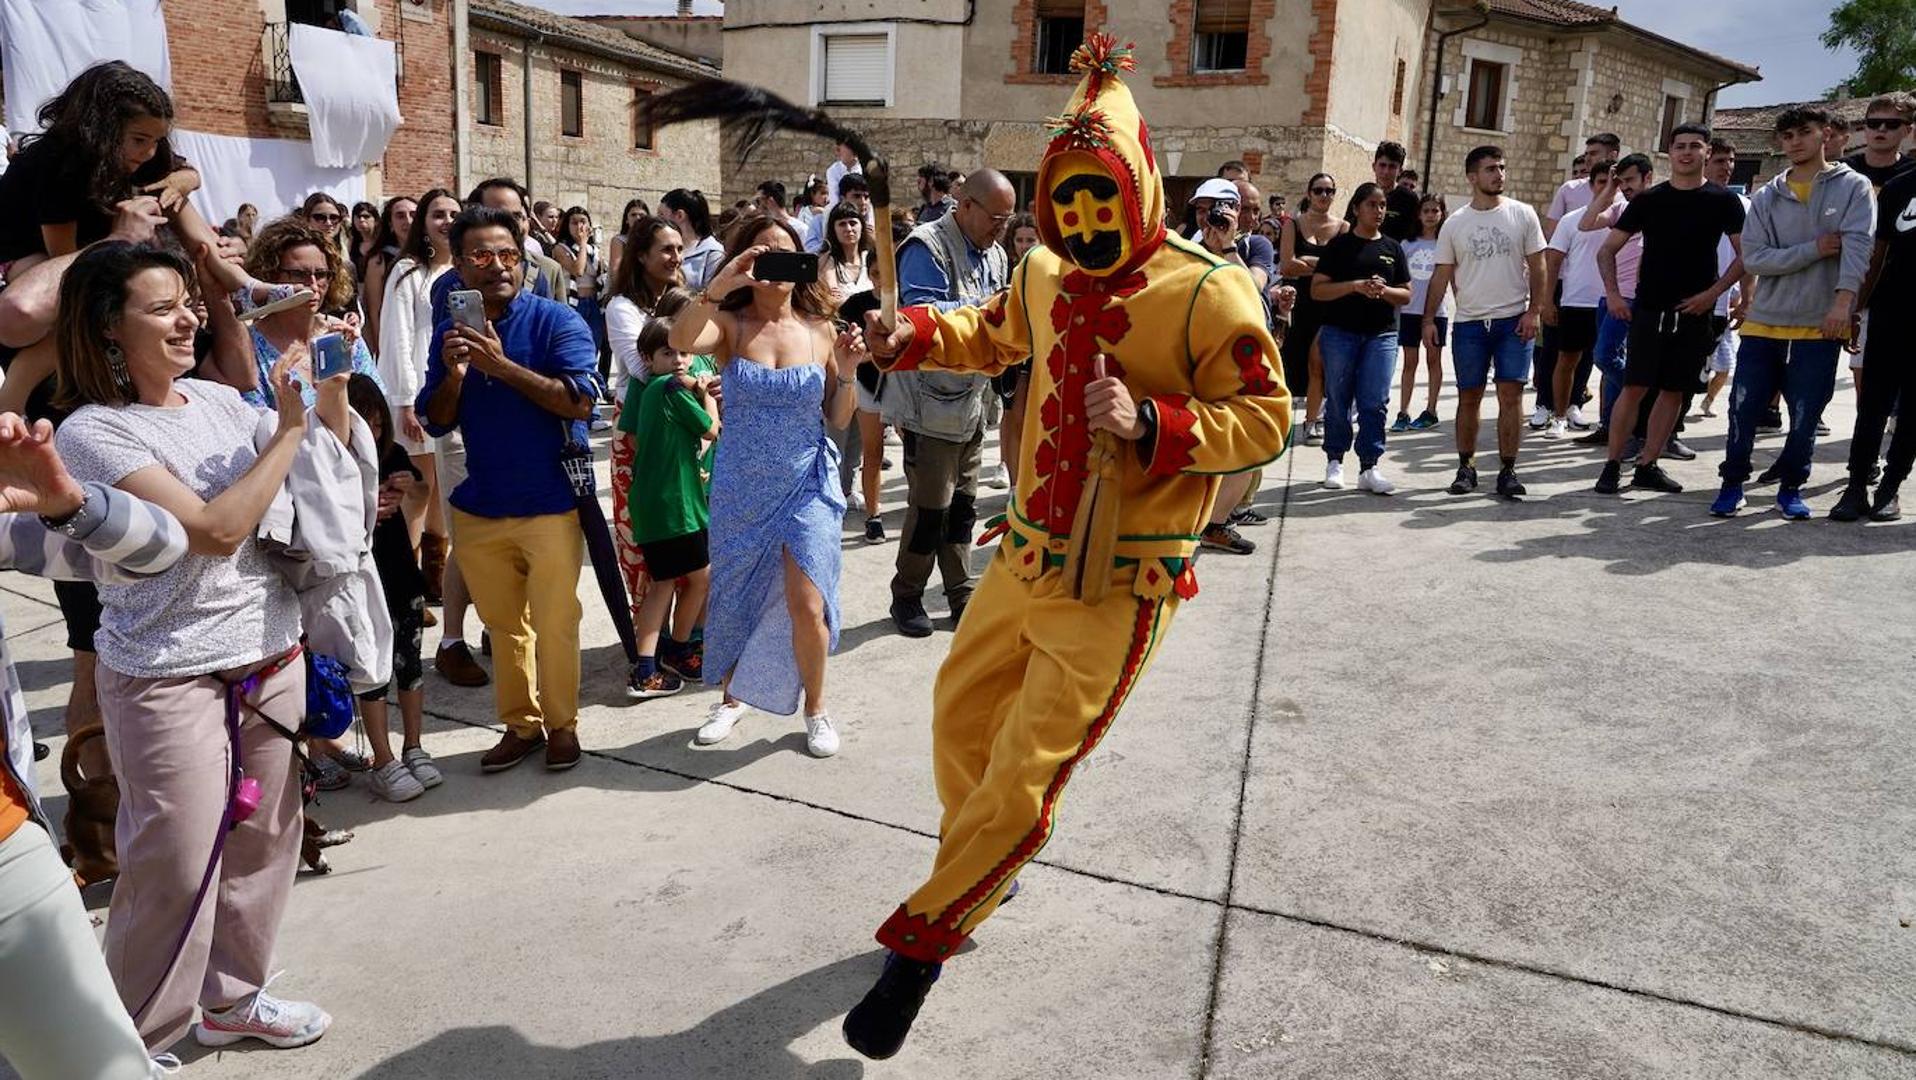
column 1176, row 436
column 1186, row 585
column 1089, row 319
column 936, row 940
column 1252, row 369
column 924, row 334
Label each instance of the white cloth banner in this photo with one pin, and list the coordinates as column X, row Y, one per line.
column 275, row 175
column 45, row 43
column 352, row 99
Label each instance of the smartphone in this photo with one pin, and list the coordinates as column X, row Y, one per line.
column 331, row 356
column 798, row 267
column 467, row 309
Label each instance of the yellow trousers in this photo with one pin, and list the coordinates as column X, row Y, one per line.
column 1033, row 682
column 523, row 574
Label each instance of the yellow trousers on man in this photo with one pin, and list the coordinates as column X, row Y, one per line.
column 523, row 574
column 1034, row 680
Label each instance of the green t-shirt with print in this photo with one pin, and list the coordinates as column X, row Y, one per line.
column 668, row 494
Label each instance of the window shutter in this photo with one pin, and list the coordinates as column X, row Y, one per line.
column 1223, row 16
column 857, row 69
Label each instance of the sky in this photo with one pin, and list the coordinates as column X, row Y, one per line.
column 1777, row 36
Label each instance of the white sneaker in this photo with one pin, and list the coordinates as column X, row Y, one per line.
column 1575, row 417
column 1558, row 428
column 393, row 782
column 821, row 739
column 420, row 764
column 284, row 1024
column 720, row 722
column 999, row 478
column 1334, row 475
column 854, row 504
column 1373, row 481
column 1539, row 416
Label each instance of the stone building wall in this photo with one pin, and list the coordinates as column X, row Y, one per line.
column 600, row 169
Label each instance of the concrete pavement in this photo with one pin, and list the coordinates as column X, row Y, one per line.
column 1577, row 787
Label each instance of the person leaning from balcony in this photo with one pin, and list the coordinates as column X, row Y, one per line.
column 102, row 165
column 691, row 215
column 519, row 392
column 224, row 619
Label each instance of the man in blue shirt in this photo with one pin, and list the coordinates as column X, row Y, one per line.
column 949, row 263
column 518, row 393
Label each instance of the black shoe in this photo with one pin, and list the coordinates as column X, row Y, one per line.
column 910, row 618
column 1677, row 450
column 1599, row 437
column 1768, row 476
column 1887, row 507
column 1822, row 428
column 1508, row 486
column 1651, row 477
column 876, row 1027
column 1248, row 516
column 1610, row 480
column 1770, row 422
column 1466, row 481
column 1226, row 539
column 958, row 611
column 1853, row 505
column 874, row 531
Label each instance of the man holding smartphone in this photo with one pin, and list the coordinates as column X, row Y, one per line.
column 516, row 375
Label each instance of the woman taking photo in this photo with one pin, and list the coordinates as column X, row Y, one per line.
column 615, row 248
column 578, row 255
column 290, row 252
column 172, row 647
column 1361, row 280
column 406, row 333
column 643, row 277
column 773, row 615
column 845, row 268
column 1304, row 241
column 395, row 228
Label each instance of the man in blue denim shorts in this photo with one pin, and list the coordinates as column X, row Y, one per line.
column 1493, row 249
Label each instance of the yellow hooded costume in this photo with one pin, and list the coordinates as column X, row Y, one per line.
column 1045, row 655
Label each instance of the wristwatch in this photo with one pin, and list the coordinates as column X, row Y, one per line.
column 82, row 521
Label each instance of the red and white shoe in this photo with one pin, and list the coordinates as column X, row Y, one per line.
column 284, row 1024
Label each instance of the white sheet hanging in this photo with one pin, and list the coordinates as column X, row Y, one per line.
column 351, row 97
column 45, row 43
column 275, row 175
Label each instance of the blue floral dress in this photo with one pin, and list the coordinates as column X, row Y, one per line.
column 774, row 489
column 265, row 356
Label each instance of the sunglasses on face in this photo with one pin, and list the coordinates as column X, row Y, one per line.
column 325, row 219
column 1884, row 123
column 1323, row 191
column 291, row 276
column 505, row 257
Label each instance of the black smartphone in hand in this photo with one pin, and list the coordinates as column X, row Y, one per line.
column 798, row 267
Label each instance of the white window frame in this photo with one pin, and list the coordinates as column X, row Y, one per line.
column 820, row 33
column 1490, row 52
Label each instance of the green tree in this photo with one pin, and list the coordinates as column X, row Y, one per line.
column 1883, row 34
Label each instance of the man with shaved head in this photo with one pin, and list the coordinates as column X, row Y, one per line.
column 952, row 262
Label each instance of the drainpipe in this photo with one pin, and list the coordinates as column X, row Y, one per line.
column 1437, row 79
column 461, row 97
column 525, row 83
column 1709, row 99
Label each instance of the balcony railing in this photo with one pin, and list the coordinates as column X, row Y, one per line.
column 282, row 85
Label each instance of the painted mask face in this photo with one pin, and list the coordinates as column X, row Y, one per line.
column 1087, row 204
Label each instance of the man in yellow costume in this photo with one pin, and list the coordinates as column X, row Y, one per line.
column 1152, row 376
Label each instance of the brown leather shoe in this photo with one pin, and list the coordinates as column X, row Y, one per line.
column 455, row 662
column 512, row 749
column 562, row 749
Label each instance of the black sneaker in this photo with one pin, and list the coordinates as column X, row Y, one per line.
column 1508, row 486
column 958, row 611
column 1466, row 481
column 910, row 618
column 874, row 531
column 1822, row 428
column 1226, row 539
column 661, row 683
column 1598, row 437
column 1769, row 475
column 1651, row 477
column 1770, row 422
column 1676, row 449
column 1610, row 480
column 1248, row 516
column 1853, row 505
column 876, row 1027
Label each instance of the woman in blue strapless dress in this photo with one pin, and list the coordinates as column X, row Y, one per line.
column 777, row 512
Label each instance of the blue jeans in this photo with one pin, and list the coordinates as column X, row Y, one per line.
column 1479, row 347
column 1610, row 354
column 1806, row 370
column 1356, row 366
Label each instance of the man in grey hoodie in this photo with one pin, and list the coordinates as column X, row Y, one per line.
column 1807, row 238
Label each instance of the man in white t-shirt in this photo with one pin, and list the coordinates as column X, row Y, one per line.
column 846, row 164
column 1493, row 250
column 1573, row 194
column 1576, row 292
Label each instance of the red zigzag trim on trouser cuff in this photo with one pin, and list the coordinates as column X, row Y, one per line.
column 918, row 936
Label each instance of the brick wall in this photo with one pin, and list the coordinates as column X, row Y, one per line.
column 420, row 155
column 1024, row 42
column 219, row 67
column 600, row 170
